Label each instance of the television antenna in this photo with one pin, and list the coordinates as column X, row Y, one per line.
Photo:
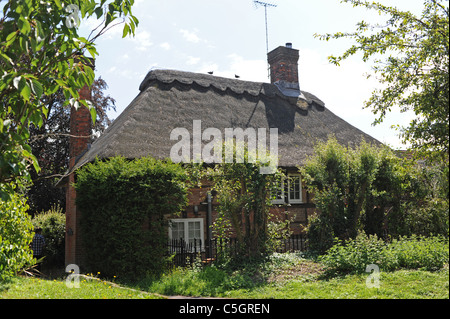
column 265, row 5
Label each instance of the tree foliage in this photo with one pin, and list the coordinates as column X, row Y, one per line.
column 50, row 144
column 41, row 52
column 413, row 68
column 16, row 233
column 245, row 197
column 53, row 225
column 371, row 189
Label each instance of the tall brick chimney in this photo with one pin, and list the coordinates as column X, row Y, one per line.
column 80, row 131
column 283, row 63
column 80, row 126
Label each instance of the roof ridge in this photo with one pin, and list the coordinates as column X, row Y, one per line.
column 237, row 86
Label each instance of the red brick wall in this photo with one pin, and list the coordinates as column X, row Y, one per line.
column 80, row 131
column 297, row 213
column 283, row 63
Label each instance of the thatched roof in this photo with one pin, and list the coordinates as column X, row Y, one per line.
column 171, row 99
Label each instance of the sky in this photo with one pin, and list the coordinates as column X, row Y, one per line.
column 229, row 37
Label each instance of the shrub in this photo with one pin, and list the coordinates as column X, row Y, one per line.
column 53, row 224
column 352, row 256
column 123, row 204
column 413, row 252
column 15, row 234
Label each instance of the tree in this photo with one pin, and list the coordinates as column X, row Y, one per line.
column 245, row 196
column 371, row 189
column 414, row 69
column 352, row 189
column 50, row 144
column 41, row 53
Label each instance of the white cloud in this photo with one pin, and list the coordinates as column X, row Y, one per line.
column 190, row 36
column 248, row 70
column 192, row 60
column 166, row 46
column 141, row 40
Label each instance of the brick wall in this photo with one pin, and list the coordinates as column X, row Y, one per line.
column 297, row 213
column 283, row 63
column 80, row 131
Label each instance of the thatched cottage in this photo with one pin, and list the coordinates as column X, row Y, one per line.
column 170, row 99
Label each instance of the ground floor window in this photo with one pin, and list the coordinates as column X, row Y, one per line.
column 289, row 191
column 188, row 229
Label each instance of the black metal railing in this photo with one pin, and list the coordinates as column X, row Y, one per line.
column 185, row 253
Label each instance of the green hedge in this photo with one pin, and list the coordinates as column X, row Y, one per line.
column 53, row 224
column 353, row 256
column 123, row 203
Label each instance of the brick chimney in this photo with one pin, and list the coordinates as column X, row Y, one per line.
column 80, row 126
column 283, row 63
column 80, row 131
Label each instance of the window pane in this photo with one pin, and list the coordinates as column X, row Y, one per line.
column 294, row 188
column 194, row 230
column 178, row 230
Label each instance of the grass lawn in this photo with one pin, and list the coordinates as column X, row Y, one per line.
column 285, row 277
column 295, row 278
column 35, row 288
column 403, row 284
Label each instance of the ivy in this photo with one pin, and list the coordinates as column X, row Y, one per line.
column 124, row 204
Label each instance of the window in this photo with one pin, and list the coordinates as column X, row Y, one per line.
column 295, row 189
column 188, row 229
column 289, row 191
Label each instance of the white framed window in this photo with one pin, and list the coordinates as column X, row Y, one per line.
column 188, row 229
column 294, row 189
column 289, row 191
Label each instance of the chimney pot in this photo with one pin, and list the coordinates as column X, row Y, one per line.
column 289, row 45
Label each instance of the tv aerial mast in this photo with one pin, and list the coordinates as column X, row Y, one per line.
column 265, row 5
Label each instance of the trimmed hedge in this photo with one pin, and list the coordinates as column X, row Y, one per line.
column 123, row 203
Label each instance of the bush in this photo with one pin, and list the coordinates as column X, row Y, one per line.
column 413, row 252
column 53, row 224
column 15, row 235
column 353, row 256
column 123, row 204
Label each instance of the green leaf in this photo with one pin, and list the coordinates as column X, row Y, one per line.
column 10, row 38
column 37, row 88
column 24, row 25
column 26, row 90
column 93, row 114
column 126, row 30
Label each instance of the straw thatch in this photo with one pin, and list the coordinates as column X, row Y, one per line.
column 172, row 99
